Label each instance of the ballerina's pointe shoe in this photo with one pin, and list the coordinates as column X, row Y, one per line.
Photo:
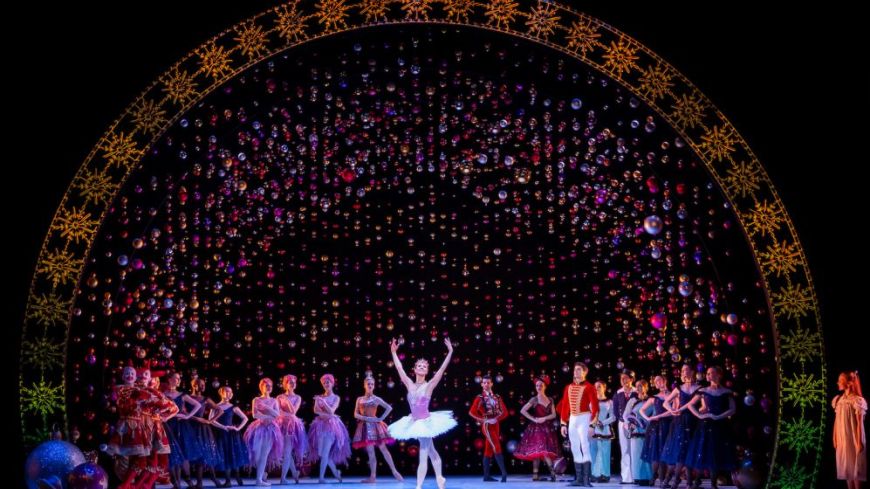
column 441, row 481
column 368, row 480
column 398, row 476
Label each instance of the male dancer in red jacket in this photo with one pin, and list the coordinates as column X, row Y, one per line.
column 489, row 409
column 577, row 409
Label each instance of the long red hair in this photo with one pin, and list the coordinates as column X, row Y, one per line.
column 853, row 382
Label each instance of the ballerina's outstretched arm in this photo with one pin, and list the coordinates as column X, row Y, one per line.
column 394, row 349
column 440, row 373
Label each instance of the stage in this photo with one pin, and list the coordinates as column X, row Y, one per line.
column 453, row 482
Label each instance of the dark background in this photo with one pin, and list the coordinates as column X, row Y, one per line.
column 791, row 82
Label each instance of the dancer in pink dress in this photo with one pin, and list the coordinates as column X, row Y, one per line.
column 292, row 428
column 263, row 437
column 421, row 424
column 850, row 441
column 539, row 440
column 328, row 439
column 371, row 431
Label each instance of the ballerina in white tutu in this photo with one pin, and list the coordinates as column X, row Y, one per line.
column 421, row 424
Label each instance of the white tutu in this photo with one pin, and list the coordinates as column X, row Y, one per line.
column 438, row 422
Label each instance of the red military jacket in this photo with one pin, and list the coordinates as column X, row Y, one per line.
column 575, row 402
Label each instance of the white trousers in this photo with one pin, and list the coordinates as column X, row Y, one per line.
column 625, row 449
column 578, row 434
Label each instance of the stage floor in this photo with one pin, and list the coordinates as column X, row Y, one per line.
column 453, row 482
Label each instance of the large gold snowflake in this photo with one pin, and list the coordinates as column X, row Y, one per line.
column 41, row 398
column 458, row 10
column 148, row 116
column 803, row 390
column 543, row 20
column 501, row 13
column 96, row 187
column 179, row 86
column 214, row 60
column 780, row 258
column 60, row 267
column 718, row 143
column 332, row 14
column 42, row 353
column 48, row 310
column 688, row 111
column 656, row 81
column 583, row 37
column 251, row 39
column 742, row 179
column 75, row 225
column 621, row 57
column 374, row 10
column 800, row 345
column 416, row 9
column 794, row 301
column 764, row 218
column 120, row 151
column 290, row 23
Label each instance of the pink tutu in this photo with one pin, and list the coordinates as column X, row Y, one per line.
column 293, row 430
column 329, row 429
column 257, row 436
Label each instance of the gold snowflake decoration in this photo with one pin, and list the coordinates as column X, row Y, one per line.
column 290, row 23
column 148, row 117
column 800, row 345
column 416, row 9
column 42, row 354
column 793, row 301
column 688, row 111
column 780, row 258
column 179, row 86
column 41, row 398
column 501, row 13
column 60, row 266
column 332, row 14
column 458, row 10
column 542, row 20
column 75, row 225
column 718, row 143
column 743, row 179
column 95, row 187
column 656, row 82
column 583, row 37
column 765, row 219
column 374, row 10
column 803, row 390
column 47, row 310
column 794, row 477
column 214, row 60
column 120, row 150
column 251, row 39
column 621, row 57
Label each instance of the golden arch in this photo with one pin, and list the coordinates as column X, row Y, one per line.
column 747, row 187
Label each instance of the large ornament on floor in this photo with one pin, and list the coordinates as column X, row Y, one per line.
column 53, row 458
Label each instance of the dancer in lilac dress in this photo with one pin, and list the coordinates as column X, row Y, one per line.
column 421, row 424
column 292, row 428
column 328, row 439
column 539, row 440
column 371, row 431
column 263, row 437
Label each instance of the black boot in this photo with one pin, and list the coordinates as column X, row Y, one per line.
column 486, row 476
column 499, row 459
column 587, row 474
column 578, row 475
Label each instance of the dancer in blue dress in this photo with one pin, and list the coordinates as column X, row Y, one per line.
column 712, row 445
column 185, row 449
column 232, row 449
column 658, row 429
column 683, row 425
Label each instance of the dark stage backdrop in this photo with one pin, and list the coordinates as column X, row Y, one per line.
column 788, row 81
